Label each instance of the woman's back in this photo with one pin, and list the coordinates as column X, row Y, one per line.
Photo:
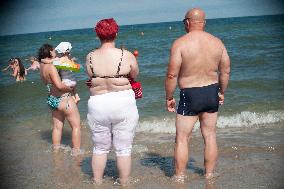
column 103, row 65
column 46, row 70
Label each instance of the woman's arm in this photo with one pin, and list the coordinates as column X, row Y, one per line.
column 88, row 69
column 134, row 66
column 56, row 81
column 27, row 69
column 5, row 69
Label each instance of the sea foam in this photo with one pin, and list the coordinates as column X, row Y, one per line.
column 244, row 119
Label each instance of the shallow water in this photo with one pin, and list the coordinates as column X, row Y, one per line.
column 250, row 157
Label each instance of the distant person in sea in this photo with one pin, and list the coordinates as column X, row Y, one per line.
column 59, row 100
column 34, row 65
column 112, row 111
column 200, row 64
column 10, row 65
column 66, row 76
column 18, row 69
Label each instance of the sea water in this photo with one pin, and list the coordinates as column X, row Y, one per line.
column 256, row 89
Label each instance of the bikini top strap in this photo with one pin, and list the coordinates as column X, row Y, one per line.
column 119, row 65
column 91, row 66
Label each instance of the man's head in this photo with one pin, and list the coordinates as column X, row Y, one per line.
column 107, row 29
column 194, row 19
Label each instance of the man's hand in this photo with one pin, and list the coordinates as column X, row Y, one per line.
column 89, row 83
column 221, row 98
column 171, row 105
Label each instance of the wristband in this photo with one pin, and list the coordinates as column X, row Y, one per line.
column 169, row 98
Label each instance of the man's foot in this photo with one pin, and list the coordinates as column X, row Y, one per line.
column 98, row 182
column 179, row 178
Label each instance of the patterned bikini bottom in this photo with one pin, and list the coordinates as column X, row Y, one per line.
column 54, row 101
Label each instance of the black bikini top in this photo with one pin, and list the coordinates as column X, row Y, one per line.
column 106, row 76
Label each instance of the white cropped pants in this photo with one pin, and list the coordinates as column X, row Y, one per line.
column 112, row 118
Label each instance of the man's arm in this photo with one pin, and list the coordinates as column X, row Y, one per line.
column 224, row 74
column 172, row 75
column 224, row 71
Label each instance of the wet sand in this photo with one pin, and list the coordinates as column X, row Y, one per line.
column 248, row 158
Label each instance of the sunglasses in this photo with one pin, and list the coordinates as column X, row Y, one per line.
column 184, row 20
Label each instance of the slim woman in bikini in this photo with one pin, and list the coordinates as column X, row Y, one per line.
column 59, row 101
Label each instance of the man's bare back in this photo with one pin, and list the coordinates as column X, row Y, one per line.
column 201, row 54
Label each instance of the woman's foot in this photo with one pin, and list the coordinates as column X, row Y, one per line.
column 211, row 177
column 55, row 147
column 179, row 178
column 126, row 182
column 77, row 152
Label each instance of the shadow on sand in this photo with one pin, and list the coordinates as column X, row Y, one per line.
column 110, row 170
column 166, row 164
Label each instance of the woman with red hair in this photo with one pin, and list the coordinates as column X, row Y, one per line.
column 112, row 111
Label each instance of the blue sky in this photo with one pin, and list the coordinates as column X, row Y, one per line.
column 30, row 16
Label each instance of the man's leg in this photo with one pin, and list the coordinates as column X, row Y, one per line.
column 184, row 126
column 208, row 129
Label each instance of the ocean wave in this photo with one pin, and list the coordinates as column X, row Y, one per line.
column 244, row 119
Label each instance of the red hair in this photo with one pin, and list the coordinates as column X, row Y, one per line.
column 106, row 29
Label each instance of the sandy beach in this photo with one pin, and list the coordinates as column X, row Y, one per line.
column 248, row 158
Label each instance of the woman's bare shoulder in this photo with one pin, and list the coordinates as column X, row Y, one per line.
column 48, row 68
column 129, row 56
column 91, row 53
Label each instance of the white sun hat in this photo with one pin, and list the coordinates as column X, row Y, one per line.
column 63, row 47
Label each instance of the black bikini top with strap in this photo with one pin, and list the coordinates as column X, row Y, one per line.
column 106, row 76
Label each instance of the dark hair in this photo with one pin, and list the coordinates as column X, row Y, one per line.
column 44, row 51
column 106, row 29
column 21, row 66
column 11, row 61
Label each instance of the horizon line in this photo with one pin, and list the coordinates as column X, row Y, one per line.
column 5, row 35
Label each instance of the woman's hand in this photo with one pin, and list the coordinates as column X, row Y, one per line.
column 89, row 83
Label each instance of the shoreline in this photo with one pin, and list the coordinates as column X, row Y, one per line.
column 248, row 158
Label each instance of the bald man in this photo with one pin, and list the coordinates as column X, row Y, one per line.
column 199, row 63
